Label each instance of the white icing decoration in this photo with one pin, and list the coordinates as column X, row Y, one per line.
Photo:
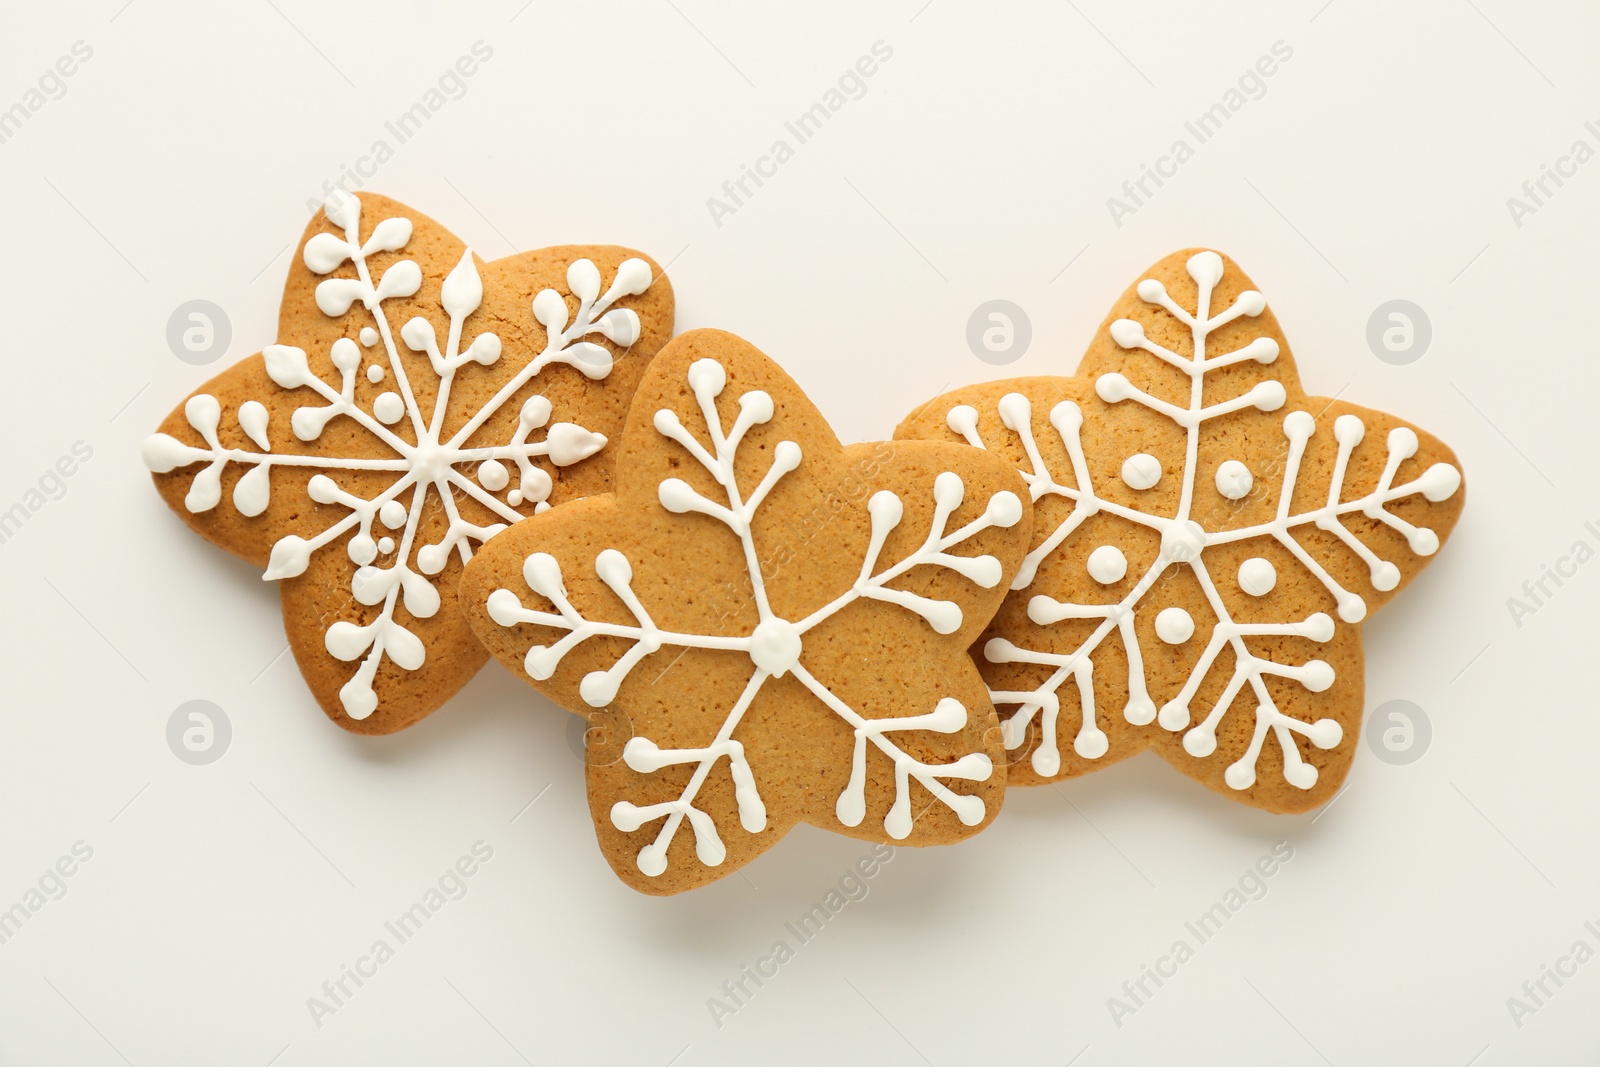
column 493, row 476
column 1184, row 541
column 1174, row 625
column 1107, row 564
column 253, row 491
column 1257, row 576
column 776, row 646
column 1234, row 479
column 389, row 408
column 253, row 421
column 419, row 470
column 1141, row 471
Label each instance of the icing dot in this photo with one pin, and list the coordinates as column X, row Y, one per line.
column 392, row 514
column 492, row 475
column 1107, row 564
column 514, row 498
column 345, row 355
column 1439, row 482
column 374, row 374
column 1257, row 576
column 369, row 336
column 1174, row 626
column 1234, row 480
column 386, row 545
column 775, row 648
column 1141, row 471
column 389, row 408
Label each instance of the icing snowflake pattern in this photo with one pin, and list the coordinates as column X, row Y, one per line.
column 1186, row 541
column 386, row 526
column 775, row 646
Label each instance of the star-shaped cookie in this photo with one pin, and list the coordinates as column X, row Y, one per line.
column 777, row 625
column 1207, row 541
column 417, row 400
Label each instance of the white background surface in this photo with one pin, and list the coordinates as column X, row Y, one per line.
column 977, row 165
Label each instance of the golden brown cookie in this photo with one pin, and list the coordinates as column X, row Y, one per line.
column 417, row 401
column 1207, row 541
column 776, row 625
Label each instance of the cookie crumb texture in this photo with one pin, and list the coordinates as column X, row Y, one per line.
column 778, row 624
column 1207, row 542
column 416, row 402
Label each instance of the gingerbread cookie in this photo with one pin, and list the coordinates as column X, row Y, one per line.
column 418, row 400
column 776, row 624
column 1208, row 540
